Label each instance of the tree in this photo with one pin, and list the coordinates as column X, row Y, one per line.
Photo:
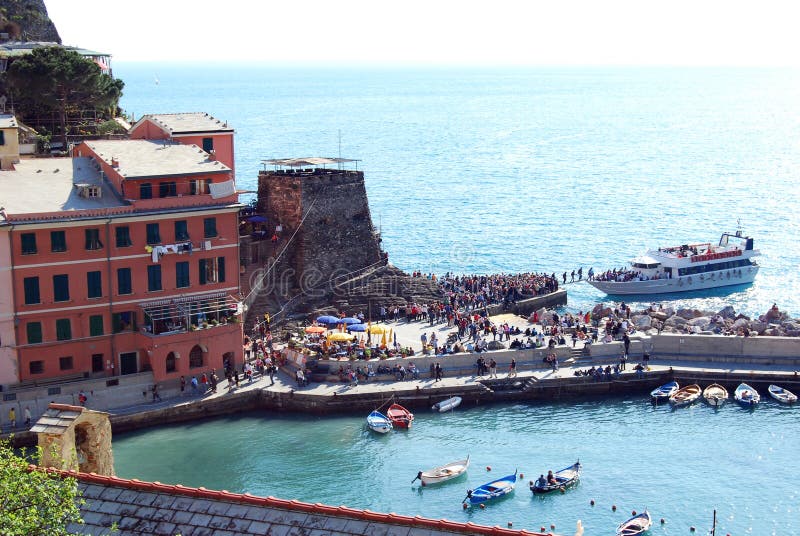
column 34, row 501
column 56, row 79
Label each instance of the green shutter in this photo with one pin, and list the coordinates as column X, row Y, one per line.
column 94, row 284
column 31, row 285
column 220, row 269
column 203, row 278
column 95, row 325
column 34, row 330
column 63, row 329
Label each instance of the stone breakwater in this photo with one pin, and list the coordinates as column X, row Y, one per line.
column 665, row 319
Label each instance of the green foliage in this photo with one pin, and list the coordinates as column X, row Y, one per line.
column 110, row 127
column 34, row 502
column 54, row 79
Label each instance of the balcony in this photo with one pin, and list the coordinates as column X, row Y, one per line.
column 184, row 314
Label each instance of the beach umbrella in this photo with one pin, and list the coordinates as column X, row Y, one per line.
column 340, row 337
column 377, row 330
column 357, row 327
column 327, row 319
column 349, row 320
column 383, row 340
column 316, row 329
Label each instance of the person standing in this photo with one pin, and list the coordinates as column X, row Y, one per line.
column 512, row 368
column 183, row 385
column 204, row 383
column 626, row 341
column 27, row 415
column 493, row 368
column 195, row 387
column 438, row 372
column 12, row 418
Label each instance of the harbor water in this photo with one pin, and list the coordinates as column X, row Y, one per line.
column 508, row 170
column 681, row 464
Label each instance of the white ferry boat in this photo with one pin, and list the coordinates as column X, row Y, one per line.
column 684, row 268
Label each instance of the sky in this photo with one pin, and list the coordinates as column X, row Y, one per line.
column 437, row 32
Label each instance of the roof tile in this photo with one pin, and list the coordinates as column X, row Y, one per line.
column 166, row 529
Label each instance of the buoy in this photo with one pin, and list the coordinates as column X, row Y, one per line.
column 483, row 506
column 613, row 507
column 552, row 526
column 591, row 502
column 464, row 506
column 633, row 512
column 488, row 467
column 510, row 524
column 662, row 521
column 521, row 476
column 691, row 529
column 542, row 529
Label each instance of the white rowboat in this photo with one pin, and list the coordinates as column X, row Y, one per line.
column 443, row 473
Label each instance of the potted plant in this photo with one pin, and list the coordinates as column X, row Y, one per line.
column 205, row 325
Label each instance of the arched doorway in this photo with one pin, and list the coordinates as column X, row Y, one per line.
column 196, row 357
column 170, row 362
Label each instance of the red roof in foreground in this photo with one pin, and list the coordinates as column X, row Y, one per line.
column 139, row 507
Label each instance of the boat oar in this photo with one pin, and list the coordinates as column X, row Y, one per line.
column 469, row 495
column 419, row 476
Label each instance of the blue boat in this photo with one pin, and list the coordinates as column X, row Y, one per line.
column 492, row 490
column 664, row 392
column 378, row 422
column 562, row 479
column 746, row 395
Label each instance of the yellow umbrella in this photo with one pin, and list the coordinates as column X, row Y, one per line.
column 383, row 340
column 376, row 329
column 340, row 337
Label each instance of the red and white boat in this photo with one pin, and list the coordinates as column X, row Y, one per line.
column 400, row 416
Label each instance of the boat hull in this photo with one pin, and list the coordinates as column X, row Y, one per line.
column 492, row 490
column 715, row 395
column 444, row 473
column 400, row 416
column 664, row 392
column 377, row 422
column 678, row 284
column 782, row 395
column 447, row 405
column 635, row 525
column 747, row 396
column 685, row 396
column 566, row 478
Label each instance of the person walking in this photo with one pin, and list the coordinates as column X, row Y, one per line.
column 512, row 368
column 27, row 415
column 438, row 372
column 195, row 387
column 12, row 418
column 493, row 368
column 183, row 385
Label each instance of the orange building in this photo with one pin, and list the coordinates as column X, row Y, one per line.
column 121, row 259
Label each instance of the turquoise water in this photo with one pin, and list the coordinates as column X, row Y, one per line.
column 530, row 169
column 680, row 464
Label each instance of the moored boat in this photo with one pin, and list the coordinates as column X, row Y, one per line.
column 684, row 268
column 492, row 490
column 635, row 525
column 400, row 416
column 561, row 480
column 378, row 422
column 782, row 395
column 447, row 405
column 746, row 395
column 664, row 392
column 715, row 394
column 685, row 395
column 443, row 473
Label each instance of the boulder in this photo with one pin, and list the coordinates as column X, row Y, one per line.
column 727, row 312
column 660, row 315
column 642, row 321
column 700, row 321
column 669, row 311
column 688, row 313
column 675, row 321
column 496, row 345
column 758, row 327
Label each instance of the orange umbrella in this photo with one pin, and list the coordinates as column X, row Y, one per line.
column 316, row 329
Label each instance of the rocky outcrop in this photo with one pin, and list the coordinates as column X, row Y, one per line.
column 27, row 20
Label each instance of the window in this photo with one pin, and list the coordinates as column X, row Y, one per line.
column 97, row 362
column 196, row 357
column 61, row 287
column 2, row 137
column 154, row 277
column 153, row 235
column 36, row 367
column 181, row 231
column 145, row 191
column 65, row 363
column 167, row 189
column 210, row 227
column 34, row 330
column 28, row 243
column 182, row 274
column 124, row 281
column 63, row 329
column 58, row 241
column 212, row 270
column 95, row 325
column 31, row 285
column 208, row 144
column 94, row 284
column 170, row 363
column 123, row 236
column 125, row 321
column 199, row 186
column 93, row 239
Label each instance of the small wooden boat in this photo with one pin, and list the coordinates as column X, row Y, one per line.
column 492, row 490
column 443, row 473
column 635, row 525
column 447, row 405
column 782, row 395
column 378, row 422
column 746, row 395
column 664, row 392
column 400, row 416
column 685, row 395
column 565, row 478
column 715, row 394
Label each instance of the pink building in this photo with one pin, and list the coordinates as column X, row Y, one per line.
column 121, row 259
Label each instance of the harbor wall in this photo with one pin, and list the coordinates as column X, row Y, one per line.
column 717, row 349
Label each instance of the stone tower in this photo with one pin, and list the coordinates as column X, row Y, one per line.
column 76, row 438
column 324, row 221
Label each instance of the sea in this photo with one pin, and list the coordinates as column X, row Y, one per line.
column 529, row 169
column 520, row 170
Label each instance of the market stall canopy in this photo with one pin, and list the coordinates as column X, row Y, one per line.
column 340, row 337
column 316, row 329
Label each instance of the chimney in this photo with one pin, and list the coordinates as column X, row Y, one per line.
column 114, row 162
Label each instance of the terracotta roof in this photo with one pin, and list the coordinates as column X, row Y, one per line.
column 153, row 508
